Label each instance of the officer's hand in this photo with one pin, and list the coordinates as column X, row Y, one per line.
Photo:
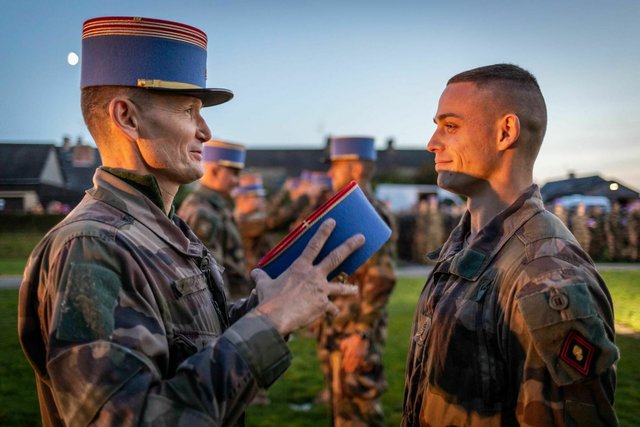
column 354, row 349
column 300, row 294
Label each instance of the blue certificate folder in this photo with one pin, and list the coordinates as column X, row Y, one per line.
column 353, row 214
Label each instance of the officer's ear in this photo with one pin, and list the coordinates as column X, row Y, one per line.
column 508, row 131
column 124, row 115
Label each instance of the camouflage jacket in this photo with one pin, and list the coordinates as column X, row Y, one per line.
column 123, row 317
column 515, row 329
column 256, row 241
column 365, row 312
column 210, row 215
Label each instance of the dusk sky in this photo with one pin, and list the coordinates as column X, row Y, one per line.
column 302, row 70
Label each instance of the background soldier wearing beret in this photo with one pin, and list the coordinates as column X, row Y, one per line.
column 122, row 312
column 209, row 212
column 351, row 343
column 514, row 325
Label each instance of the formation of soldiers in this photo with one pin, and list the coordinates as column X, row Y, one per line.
column 229, row 211
column 605, row 236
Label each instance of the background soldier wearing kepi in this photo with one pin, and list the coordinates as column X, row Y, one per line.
column 351, row 343
column 251, row 216
column 122, row 313
column 209, row 212
column 514, row 326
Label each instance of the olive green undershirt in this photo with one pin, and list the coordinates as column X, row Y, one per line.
column 146, row 184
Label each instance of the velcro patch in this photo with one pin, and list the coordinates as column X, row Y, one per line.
column 577, row 352
column 90, row 293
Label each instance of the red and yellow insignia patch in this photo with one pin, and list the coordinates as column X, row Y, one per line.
column 577, row 352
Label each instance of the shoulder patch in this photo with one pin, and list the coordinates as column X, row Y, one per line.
column 577, row 352
column 89, row 297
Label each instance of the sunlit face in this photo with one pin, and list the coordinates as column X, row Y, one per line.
column 341, row 173
column 249, row 203
column 464, row 142
column 171, row 134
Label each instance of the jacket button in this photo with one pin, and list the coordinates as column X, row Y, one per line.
column 558, row 301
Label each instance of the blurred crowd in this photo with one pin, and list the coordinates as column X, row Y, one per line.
column 605, row 236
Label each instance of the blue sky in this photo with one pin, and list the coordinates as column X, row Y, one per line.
column 304, row 69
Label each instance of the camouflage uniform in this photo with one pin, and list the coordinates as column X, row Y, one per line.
column 255, row 240
column 283, row 210
column 210, row 215
column 633, row 232
column 355, row 397
column 580, row 229
column 516, row 329
column 123, row 317
column 598, row 239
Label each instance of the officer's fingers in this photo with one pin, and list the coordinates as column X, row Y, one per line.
column 259, row 275
column 337, row 289
column 332, row 309
column 339, row 254
column 318, row 240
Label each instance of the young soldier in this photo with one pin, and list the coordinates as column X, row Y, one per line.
column 514, row 325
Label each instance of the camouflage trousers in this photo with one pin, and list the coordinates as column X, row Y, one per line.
column 355, row 398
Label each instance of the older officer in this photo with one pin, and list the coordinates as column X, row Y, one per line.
column 209, row 212
column 351, row 343
column 514, row 325
column 122, row 312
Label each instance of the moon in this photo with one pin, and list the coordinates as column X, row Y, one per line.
column 72, row 58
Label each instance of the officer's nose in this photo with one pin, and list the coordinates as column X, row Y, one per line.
column 203, row 133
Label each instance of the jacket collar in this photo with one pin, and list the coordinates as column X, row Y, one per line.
column 117, row 193
column 472, row 261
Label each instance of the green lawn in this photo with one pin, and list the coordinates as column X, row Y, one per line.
column 15, row 249
column 292, row 393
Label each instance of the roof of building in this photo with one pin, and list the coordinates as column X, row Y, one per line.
column 593, row 185
column 79, row 164
column 22, row 163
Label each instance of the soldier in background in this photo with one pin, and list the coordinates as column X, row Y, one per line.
column 580, row 226
column 598, row 239
column 419, row 233
column 633, row 231
column 351, row 343
column 251, row 216
column 561, row 212
column 209, row 212
column 429, row 232
column 616, row 229
column 317, row 188
column 284, row 207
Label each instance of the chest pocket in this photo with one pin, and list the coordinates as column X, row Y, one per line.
column 193, row 312
column 474, row 348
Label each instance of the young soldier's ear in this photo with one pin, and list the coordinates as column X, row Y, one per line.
column 509, row 131
column 124, row 116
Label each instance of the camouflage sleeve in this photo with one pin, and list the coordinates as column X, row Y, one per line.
column 108, row 354
column 563, row 321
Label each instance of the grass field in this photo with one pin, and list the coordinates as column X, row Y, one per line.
column 292, row 394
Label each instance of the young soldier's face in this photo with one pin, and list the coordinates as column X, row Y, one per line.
column 464, row 142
